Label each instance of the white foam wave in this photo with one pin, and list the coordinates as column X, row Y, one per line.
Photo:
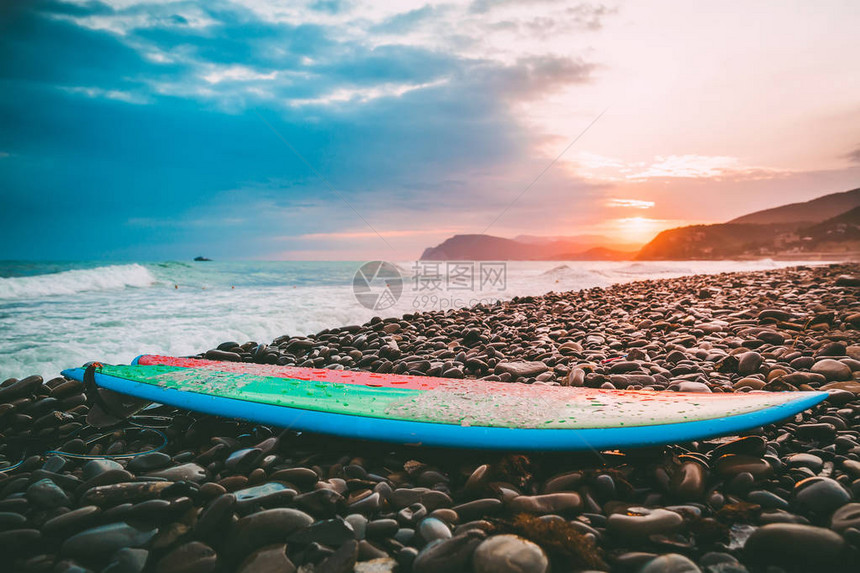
column 75, row 281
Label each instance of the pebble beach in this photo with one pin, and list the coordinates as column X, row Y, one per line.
column 172, row 491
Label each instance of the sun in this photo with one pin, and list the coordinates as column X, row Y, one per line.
column 638, row 229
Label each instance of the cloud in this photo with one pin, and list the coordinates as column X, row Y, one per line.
column 414, row 127
column 484, row 6
column 703, row 167
column 407, row 21
column 630, row 203
column 687, row 166
column 370, row 234
column 363, row 95
column 331, row 6
column 854, row 156
column 118, row 95
column 596, row 168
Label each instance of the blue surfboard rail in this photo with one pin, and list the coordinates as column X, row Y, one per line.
column 450, row 435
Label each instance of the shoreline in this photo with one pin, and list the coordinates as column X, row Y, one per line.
column 223, row 494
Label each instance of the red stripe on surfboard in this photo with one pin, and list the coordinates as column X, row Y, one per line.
column 298, row 373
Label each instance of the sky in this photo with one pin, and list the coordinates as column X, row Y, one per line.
column 352, row 130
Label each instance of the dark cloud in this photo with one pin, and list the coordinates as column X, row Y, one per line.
column 854, row 156
column 532, row 75
column 83, row 162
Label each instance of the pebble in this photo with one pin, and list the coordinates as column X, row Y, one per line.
column 300, row 477
column 832, row 370
column 381, row 565
column 265, row 528
column 10, row 520
column 767, row 499
column 688, row 481
column 381, row 528
column 127, row 560
column 795, row 546
column 95, row 468
column 478, row 507
column 521, row 369
column 430, row 499
column 641, row 522
column 268, row 559
column 733, row 464
column 105, row 540
column 75, row 520
column 191, row 557
column 448, row 554
column 241, row 461
column 131, row 492
column 183, row 472
column 846, row 516
column 547, row 503
column 15, row 541
column 341, row 561
column 804, row 460
column 272, row 493
column 148, row 462
column 332, row 532
column 509, row 554
column 431, row 529
column 819, row 496
column 748, row 445
column 749, row 363
column 46, row 493
column 216, row 516
column 670, row 563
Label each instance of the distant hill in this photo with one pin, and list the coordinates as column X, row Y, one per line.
column 822, row 227
column 723, row 241
column 524, row 248
column 479, row 247
column 840, row 229
column 836, row 236
column 814, row 211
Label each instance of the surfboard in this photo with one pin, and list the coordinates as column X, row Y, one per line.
column 444, row 412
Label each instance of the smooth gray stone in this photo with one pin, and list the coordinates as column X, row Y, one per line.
column 431, row 529
column 670, row 563
column 799, row 547
column 46, row 493
column 272, row 558
column 192, row 557
column 106, row 539
column 127, row 560
column 509, row 554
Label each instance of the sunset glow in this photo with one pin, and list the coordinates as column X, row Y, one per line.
column 349, row 129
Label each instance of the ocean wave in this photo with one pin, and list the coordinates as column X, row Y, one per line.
column 652, row 269
column 70, row 282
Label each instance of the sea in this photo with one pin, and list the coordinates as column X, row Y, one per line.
column 56, row 315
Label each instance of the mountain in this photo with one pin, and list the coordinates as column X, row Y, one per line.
column 479, row 247
column 524, row 248
column 723, row 241
column 822, row 227
column 814, row 211
column 810, row 237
